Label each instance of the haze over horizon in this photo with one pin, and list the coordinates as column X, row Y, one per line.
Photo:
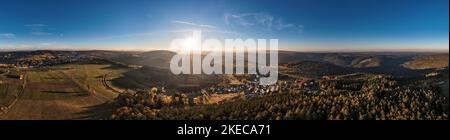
column 300, row 25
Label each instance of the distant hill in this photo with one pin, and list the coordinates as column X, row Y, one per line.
column 393, row 63
column 338, row 59
column 366, row 62
column 353, row 60
column 356, row 60
column 427, row 62
column 288, row 56
column 159, row 59
column 147, row 77
column 317, row 69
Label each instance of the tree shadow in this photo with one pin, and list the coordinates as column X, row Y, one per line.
column 48, row 91
column 97, row 112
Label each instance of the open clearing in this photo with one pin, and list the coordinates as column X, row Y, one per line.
column 73, row 91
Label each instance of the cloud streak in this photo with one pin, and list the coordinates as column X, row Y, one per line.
column 36, row 25
column 260, row 20
column 7, row 35
column 40, row 33
column 195, row 24
column 38, row 29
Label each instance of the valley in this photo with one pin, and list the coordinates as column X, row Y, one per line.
column 60, row 85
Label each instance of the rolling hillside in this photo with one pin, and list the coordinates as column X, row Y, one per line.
column 427, row 62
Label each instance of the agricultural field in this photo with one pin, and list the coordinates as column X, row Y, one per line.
column 68, row 91
column 50, row 85
column 9, row 87
column 8, row 90
column 94, row 77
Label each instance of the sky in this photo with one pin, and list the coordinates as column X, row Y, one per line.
column 302, row 25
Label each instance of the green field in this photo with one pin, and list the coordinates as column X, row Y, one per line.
column 91, row 76
column 67, row 91
column 48, row 85
column 5, row 96
column 66, row 81
column 8, row 89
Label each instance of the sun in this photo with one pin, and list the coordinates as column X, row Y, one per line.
column 189, row 44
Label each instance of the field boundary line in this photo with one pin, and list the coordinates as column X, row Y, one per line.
column 16, row 97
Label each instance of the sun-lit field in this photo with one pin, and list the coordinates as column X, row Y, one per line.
column 8, row 89
column 6, row 92
column 59, row 92
column 50, row 85
column 66, row 81
column 95, row 77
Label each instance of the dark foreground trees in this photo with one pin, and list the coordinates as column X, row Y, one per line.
column 377, row 99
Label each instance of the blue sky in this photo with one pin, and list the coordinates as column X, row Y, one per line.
column 298, row 24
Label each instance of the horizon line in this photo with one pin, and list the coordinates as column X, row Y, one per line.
column 446, row 50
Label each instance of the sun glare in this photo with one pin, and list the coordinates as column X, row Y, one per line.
column 189, row 44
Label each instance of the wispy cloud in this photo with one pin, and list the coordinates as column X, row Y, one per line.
column 35, row 25
column 280, row 25
column 165, row 33
column 40, row 33
column 195, row 24
column 38, row 29
column 261, row 19
column 45, row 44
column 241, row 19
column 7, row 35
